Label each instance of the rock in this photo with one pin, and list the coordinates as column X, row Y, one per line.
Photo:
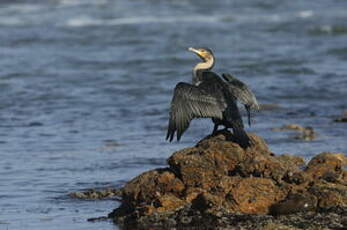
column 219, row 185
column 291, row 159
column 96, row 219
column 255, row 195
column 330, row 195
column 343, row 117
column 307, row 134
column 328, row 166
column 154, row 190
column 289, row 127
column 272, row 226
column 202, row 165
column 169, row 202
column 207, row 201
column 191, row 219
column 96, row 194
column 304, row 133
column 294, row 203
column 35, row 124
column 265, row 166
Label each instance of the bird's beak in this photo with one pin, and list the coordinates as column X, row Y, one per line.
column 193, row 50
column 197, row 52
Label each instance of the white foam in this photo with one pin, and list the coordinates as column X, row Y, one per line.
column 11, row 21
column 23, row 8
column 87, row 21
column 70, row 2
column 275, row 18
column 306, row 14
column 17, row 14
column 260, row 18
column 82, row 2
column 82, row 21
column 326, row 28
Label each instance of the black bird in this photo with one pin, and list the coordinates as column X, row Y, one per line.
column 209, row 97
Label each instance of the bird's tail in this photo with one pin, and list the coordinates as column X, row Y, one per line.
column 241, row 136
column 234, row 118
column 248, row 109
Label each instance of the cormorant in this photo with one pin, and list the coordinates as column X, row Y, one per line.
column 209, row 97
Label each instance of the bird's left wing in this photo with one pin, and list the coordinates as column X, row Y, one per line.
column 189, row 102
column 243, row 93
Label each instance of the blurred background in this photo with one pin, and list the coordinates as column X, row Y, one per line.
column 86, row 86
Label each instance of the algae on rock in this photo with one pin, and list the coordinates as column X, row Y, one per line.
column 218, row 179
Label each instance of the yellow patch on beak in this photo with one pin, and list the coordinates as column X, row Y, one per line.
column 200, row 52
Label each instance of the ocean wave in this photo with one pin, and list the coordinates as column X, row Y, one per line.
column 23, row 8
column 11, row 21
column 305, row 14
column 87, row 21
column 14, row 14
column 82, row 2
column 328, row 29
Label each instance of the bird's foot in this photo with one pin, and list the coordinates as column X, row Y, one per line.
column 214, row 133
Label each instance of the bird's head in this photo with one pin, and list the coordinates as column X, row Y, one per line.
column 204, row 53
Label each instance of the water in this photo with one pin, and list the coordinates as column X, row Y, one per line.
column 86, row 87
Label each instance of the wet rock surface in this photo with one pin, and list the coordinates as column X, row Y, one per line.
column 219, row 185
column 190, row 219
column 342, row 118
column 303, row 133
column 97, row 194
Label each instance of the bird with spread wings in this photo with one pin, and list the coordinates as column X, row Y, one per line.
column 210, row 97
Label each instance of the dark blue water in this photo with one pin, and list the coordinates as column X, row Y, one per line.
column 85, row 89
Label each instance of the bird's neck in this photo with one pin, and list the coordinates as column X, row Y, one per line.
column 200, row 68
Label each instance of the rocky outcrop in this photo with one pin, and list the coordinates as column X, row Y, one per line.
column 303, row 133
column 342, row 118
column 97, row 194
column 218, row 183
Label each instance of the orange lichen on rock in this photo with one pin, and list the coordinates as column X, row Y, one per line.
column 218, row 176
column 327, row 166
column 255, row 195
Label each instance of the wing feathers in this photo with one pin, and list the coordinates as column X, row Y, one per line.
column 241, row 91
column 191, row 102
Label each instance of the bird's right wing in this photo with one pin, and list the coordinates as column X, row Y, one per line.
column 190, row 102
